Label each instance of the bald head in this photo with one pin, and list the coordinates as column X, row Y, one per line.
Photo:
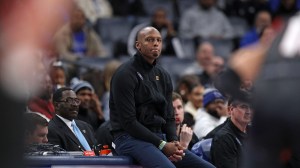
column 205, row 53
column 149, row 43
column 141, row 34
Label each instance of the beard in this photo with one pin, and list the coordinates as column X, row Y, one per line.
column 214, row 113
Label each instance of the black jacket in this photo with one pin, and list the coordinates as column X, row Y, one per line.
column 227, row 145
column 60, row 134
column 141, row 101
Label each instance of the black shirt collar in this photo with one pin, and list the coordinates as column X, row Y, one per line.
column 241, row 134
column 142, row 61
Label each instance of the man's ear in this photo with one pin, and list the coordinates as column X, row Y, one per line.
column 229, row 109
column 56, row 105
column 137, row 46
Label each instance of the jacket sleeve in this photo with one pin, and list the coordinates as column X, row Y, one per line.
column 170, row 126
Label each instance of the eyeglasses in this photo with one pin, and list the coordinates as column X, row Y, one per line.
column 70, row 100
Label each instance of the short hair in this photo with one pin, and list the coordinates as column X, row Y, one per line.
column 58, row 93
column 32, row 120
column 241, row 96
column 191, row 81
column 176, row 96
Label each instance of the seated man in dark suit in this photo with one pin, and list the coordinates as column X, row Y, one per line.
column 64, row 130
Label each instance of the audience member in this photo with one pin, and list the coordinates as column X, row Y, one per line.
column 211, row 71
column 195, row 100
column 185, row 85
column 95, row 9
column 171, row 44
column 204, row 21
column 64, row 130
column 218, row 64
column 108, row 72
column 141, row 112
column 58, row 75
column 212, row 114
column 263, row 19
column 227, row 143
column 204, row 55
column 90, row 107
column 36, row 129
column 185, row 133
column 42, row 103
column 76, row 40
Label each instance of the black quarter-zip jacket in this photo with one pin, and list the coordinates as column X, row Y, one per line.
column 141, row 101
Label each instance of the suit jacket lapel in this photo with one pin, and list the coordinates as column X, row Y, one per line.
column 66, row 130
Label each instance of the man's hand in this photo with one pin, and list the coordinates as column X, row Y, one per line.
column 174, row 151
column 186, row 135
column 95, row 105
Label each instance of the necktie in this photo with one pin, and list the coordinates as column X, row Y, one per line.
column 80, row 136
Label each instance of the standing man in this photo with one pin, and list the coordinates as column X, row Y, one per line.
column 64, row 130
column 141, row 113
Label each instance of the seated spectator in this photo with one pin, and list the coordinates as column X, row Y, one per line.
column 227, row 143
column 76, row 40
column 262, row 19
column 58, row 75
column 95, row 9
column 159, row 20
column 204, row 21
column 195, row 100
column 42, row 102
column 212, row 114
column 36, row 129
column 186, row 136
column 210, row 71
column 207, row 65
column 185, row 86
column 204, row 55
column 90, row 107
column 64, row 130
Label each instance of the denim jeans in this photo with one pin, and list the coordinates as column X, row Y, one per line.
column 149, row 156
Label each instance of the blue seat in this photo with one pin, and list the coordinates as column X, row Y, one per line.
column 152, row 5
column 114, row 33
column 114, row 29
column 202, row 149
column 184, row 5
column 174, row 66
column 239, row 25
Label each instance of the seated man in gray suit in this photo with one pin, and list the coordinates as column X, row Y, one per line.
column 64, row 130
